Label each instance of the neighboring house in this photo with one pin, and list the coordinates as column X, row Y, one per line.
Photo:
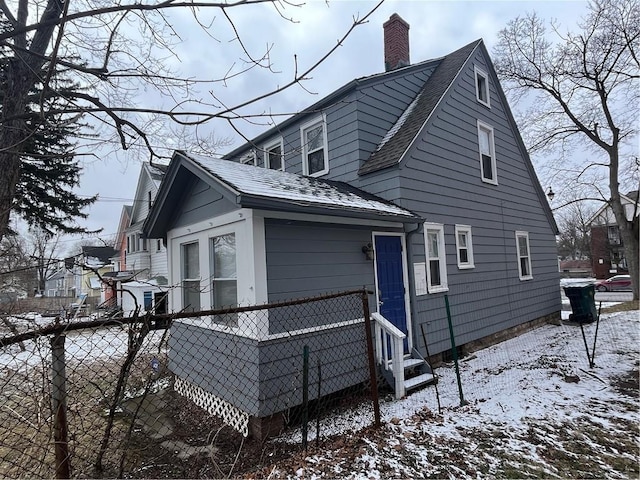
column 54, row 284
column 89, row 269
column 141, row 275
column 414, row 183
column 607, row 249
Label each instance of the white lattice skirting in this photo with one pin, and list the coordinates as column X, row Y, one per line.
column 229, row 414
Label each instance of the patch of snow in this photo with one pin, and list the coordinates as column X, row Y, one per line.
column 403, row 118
column 276, row 184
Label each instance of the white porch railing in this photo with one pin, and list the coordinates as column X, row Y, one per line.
column 390, row 350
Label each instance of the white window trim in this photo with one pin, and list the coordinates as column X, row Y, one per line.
column 249, row 158
column 492, row 144
column 251, row 269
column 268, row 146
column 481, row 73
column 442, row 257
column 306, row 126
column 519, row 234
column 465, row 229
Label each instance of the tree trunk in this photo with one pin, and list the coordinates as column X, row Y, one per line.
column 629, row 238
column 12, row 134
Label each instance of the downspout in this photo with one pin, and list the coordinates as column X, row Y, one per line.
column 412, row 287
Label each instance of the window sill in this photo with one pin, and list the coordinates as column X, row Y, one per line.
column 524, row 279
column 438, row 289
column 466, row 267
column 490, row 182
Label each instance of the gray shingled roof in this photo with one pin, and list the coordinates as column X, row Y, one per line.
column 391, row 150
column 250, row 182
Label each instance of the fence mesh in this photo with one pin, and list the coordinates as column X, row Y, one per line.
column 189, row 395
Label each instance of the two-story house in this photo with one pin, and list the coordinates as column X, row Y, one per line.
column 607, row 249
column 414, row 183
column 140, row 279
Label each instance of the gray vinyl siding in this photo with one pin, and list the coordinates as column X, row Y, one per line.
column 304, row 260
column 223, row 364
column 202, row 203
column 340, row 352
column 441, row 181
column 263, row 378
column 355, row 125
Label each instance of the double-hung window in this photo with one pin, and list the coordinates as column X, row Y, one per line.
column 315, row 160
column 436, row 258
column 482, row 87
column 464, row 247
column 524, row 255
column 274, row 156
column 190, row 260
column 487, row 153
column 224, row 279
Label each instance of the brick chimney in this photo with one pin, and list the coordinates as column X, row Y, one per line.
column 396, row 43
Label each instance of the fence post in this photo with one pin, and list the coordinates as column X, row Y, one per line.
column 59, row 406
column 305, row 396
column 372, row 363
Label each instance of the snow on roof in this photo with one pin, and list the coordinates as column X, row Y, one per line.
column 298, row 189
column 399, row 122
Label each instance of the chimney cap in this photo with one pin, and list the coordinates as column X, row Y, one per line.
column 395, row 18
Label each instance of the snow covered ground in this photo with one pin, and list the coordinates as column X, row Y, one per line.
column 535, row 409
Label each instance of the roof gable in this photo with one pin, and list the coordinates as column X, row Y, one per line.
column 150, row 176
column 408, row 127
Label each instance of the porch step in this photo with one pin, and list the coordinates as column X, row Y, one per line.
column 408, row 363
column 418, row 381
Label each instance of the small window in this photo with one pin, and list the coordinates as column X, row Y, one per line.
column 149, row 199
column 143, row 244
column 464, row 246
column 436, row 259
column 128, row 244
column 613, row 233
column 148, row 301
column 274, row 156
column 315, row 161
column 249, row 158
column 524, row 255
column 158, row 245
column 482, row 87
column 224, row 282
column 487, row 153
column 190, row 277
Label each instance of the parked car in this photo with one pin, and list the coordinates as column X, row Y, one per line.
column 618, row 282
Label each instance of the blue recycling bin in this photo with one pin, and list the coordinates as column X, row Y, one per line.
column 583, row 303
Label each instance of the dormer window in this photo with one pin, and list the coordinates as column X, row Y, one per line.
column 274, row 156
column 315, row 158
column 482, row 87
column 249, row 158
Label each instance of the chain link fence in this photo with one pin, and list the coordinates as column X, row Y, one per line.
column 192, row 394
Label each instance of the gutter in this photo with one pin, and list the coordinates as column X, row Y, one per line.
column 412, row 287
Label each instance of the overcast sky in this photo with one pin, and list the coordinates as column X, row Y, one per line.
column 436, row 29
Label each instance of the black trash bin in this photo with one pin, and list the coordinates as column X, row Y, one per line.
column 583, row 303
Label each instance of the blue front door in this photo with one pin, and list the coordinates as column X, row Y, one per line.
column 391, row 288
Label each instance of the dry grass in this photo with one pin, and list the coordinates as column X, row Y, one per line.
column 623, row 307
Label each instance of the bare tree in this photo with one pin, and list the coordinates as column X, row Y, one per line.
column 585, row 93
column 43, row 251
column 574, row 241
column 113, row 51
